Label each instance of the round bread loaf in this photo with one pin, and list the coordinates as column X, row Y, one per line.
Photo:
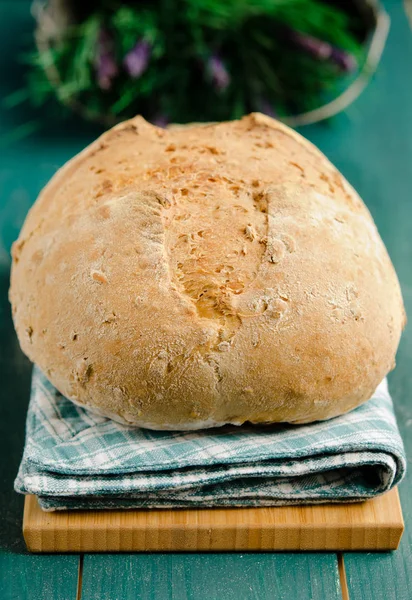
column 197, row 276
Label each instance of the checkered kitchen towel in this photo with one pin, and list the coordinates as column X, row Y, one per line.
column 75, row 459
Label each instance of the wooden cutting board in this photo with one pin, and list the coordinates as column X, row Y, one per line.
column 372, row 525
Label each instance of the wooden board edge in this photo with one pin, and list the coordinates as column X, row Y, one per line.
column 71, row 532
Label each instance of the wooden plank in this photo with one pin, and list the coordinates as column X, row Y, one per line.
column 372, row 146
column 22, row 576
column 376, row 524
column 211, row 577
column 379, row 576
column 28, row 577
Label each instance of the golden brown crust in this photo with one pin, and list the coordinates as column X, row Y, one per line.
column 211, row 274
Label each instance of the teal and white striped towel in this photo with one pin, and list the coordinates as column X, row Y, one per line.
column 76, row 459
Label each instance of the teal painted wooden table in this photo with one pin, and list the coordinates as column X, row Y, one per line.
column 372, row 145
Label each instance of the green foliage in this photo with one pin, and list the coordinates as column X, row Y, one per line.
column 254, row 40
column 131, row 25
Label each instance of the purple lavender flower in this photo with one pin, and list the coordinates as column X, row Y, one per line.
column 218, row 73
column 160, row 121
column 137, row 60
column 266, row 108
column 106, row 67
column 325, row 51
column 315, row 47
column 345, row 61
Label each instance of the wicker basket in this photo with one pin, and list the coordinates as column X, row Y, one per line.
column 55, row 16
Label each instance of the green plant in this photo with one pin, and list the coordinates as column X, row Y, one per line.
column 192, row 60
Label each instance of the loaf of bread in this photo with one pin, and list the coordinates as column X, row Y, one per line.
column 192, row 277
